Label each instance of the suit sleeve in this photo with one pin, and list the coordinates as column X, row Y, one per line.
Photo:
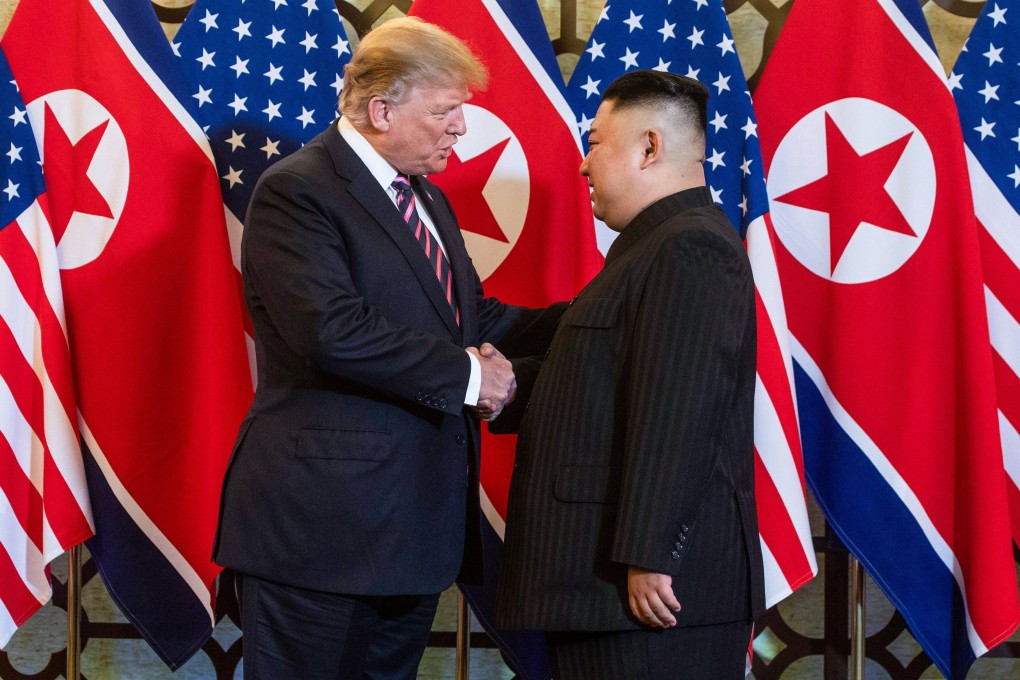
column 296, row 261
column 681, row 376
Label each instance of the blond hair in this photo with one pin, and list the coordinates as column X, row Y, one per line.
column 401, row 54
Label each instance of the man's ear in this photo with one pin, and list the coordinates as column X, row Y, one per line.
column 379, row 113
column 653, row 148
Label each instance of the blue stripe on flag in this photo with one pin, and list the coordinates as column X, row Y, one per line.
column 138, row 21
column 911, row 11
column 145, row 586
column 527, row 19
column 902, row 561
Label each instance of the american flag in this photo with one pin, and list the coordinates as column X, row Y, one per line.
column 693, row 38
column 155, row 328
column 44, row 506
column 986, row 84
column 266, row 76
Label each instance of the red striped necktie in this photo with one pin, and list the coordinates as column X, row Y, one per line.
column 440, row 266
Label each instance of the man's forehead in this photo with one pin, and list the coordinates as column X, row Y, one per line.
column 454, row 92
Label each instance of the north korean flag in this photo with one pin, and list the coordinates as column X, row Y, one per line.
column 879, row 260
column 525, row 215
column 152, row 303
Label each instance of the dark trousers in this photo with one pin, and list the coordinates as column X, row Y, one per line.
column 296, row 634
column 715, row 652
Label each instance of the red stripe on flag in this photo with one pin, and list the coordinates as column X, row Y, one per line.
column 15, row 595
column 1008, row 388
column 1000, row 273
column 21, row 259
column 781, row 535
column 771, row 370
column 67, row 519
column 21, row 494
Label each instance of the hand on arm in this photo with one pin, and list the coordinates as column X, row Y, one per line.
column 651, row 597
column 498, row 382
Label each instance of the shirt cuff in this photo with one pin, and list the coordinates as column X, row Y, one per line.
column 474, row 382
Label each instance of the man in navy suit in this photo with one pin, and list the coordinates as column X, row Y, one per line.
column 351, row 500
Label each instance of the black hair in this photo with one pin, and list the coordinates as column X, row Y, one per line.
column 658, row 88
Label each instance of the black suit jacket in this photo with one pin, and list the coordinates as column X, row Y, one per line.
column 356, row 469
column 636, row 447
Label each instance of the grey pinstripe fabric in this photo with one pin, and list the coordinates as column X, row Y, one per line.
column 714, row 652
column 636, row 446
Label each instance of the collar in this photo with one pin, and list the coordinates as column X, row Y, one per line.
column 381, row 170
column 656, row 213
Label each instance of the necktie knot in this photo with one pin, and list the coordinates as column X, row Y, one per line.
column 401, row 184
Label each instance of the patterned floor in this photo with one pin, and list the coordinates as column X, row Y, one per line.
column 30, row 650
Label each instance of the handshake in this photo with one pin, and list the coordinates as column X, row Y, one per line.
column 498, row 382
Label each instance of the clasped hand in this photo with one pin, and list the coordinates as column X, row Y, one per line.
column 651, row 597
column 499, row 386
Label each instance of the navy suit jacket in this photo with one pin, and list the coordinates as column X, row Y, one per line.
column 356, row 469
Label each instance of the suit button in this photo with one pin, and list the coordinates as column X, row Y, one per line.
column 678, row 545
column 684, row 528
column 681, row 538
column 675, row 554
column 459, row 439
column 420, row 396
column 442, row 403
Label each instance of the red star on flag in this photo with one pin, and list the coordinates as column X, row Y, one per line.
column 464, row 182
column 854, row 190
column 65, row 165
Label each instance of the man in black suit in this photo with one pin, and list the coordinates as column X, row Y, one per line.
column 351, row 499
column 631, row 532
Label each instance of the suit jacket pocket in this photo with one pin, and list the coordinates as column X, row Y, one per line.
column 593, row 313
column 585, row 484
column 344, row 444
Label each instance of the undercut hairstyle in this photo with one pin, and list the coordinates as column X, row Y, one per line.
column 685, row 96
column 401, row 54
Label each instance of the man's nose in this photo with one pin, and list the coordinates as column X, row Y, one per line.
column 584, row 167
column 458, row 126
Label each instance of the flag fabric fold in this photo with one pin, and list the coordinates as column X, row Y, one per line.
column 986, row 85
column 155, row 327
column 44, row 502
column 878, row 256
column 694, row 39
column 522, row 206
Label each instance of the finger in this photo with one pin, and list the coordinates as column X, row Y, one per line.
column 473, row 350
column 668, row 598
column 662, row 614
column 649, row 617
column 641, row 609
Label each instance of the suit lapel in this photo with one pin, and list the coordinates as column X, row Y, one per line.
column 366, row 190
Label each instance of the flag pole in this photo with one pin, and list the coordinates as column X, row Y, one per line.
column 73, row 612
column 857, row 634
column 463, row 637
